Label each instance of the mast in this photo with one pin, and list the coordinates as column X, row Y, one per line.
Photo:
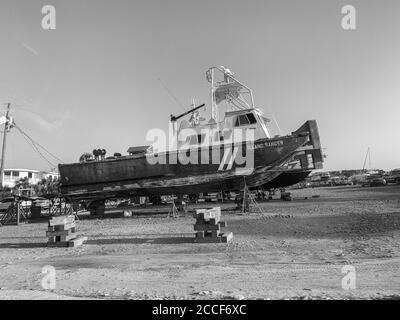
column 3, row 149
column 213, row 107
column 367, row 156
column 237, row 95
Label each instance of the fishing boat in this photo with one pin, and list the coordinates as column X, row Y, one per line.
column 201, row 156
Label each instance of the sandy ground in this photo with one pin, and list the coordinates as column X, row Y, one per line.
column 293, row 250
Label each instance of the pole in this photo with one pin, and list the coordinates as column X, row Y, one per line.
column 213, row 116
column 18, row 212
column 365, row 160
column 3, row 149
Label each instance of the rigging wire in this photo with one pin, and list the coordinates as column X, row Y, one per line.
column 48, row 152
column 172, row 95
column 36, row 149
column 35, row 145
column 276, row 122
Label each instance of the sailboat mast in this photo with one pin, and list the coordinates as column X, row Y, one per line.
column 367, row 156
column 3, row 149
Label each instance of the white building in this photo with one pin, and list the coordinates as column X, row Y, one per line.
column 11, row 176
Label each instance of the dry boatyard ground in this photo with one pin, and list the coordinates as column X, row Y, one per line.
column 294, row 250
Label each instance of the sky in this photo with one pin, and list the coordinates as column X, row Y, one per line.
column 94, row 81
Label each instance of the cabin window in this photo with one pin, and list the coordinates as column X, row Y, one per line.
column 201, row 138
column 197, row 139
column 29, row 175
column 7, row 173
column 252, row 118
column 245, row 119
column 310, row 160
column 15, row 173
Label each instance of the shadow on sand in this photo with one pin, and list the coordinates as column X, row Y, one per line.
column 153, row 240
column 106, row 241
column 319, row 227
column 27, row 245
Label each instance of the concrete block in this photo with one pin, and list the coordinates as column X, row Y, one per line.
column 77, row 241
column 56, row 221
column 226, row 237
column 206, row 227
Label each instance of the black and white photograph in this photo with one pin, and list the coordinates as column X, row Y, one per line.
column 199, row 156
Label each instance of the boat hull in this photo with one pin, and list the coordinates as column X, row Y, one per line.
column 287, row 178
column 138, row 176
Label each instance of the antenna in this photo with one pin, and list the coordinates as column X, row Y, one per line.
column 171, row 94
column 276, row 122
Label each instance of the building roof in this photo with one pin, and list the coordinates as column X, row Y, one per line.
column 23, row 170
column 31, row 170
column 139, row 149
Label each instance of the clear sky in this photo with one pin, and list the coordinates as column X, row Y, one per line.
column 93, row 82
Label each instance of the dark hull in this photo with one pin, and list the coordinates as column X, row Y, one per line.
column 308, row 159
column 134, row 175
column 287, row 178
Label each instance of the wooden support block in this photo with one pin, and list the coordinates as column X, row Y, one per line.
column 207, row 234
column 199, row 213
column 55, row 221
column 215, row 220
column 199, row 234
column 215, row 237
column 212, row 221
column 51, row 239
column 211, row 233
column 201, row 221
column 68, row 226
column 77, row 241
column 63, row 244
column 206, row 227
column 226, row 237
column 208, row 214
column 66, row 238
column 223, row 224
column 59, row 233
column 211, row 215
column 63, row 227
column 215, row 210
column 215, row 233
column 208, row 240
